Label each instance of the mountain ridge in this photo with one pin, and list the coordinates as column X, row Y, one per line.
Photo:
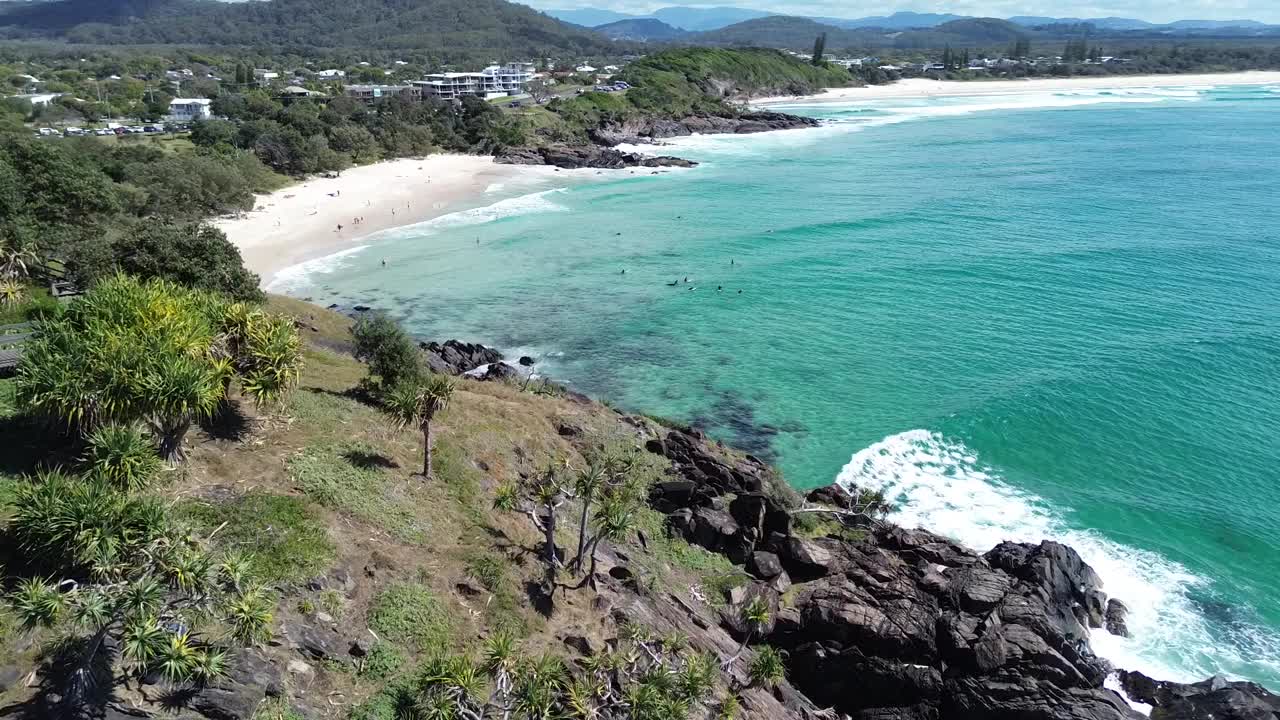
column 901, row 20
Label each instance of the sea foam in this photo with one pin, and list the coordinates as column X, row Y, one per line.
column 941, row 485
column 296, row 278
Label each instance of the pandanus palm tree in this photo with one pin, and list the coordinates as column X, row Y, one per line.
column 416, row 401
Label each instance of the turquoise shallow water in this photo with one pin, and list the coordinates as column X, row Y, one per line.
column 1045, row 315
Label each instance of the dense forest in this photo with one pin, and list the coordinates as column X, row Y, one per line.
column 456, row 30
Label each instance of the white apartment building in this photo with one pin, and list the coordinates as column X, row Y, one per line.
column 493, row 81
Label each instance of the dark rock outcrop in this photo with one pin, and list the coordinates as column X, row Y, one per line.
column 902, row 623
column 1115, row 620
column 1212, row 699
column 641, row 130
column 455, row 358
column 572, row 157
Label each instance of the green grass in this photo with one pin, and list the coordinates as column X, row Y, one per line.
column 816, row 525
column 384, row 661
column 8, row 398
column 352, row 478
column 38, row 303
column 718, row 575
column 488, row 569
column 409, row 613
column 288, row 541
column 320, row 410
column 276, row 708
column 501, row 609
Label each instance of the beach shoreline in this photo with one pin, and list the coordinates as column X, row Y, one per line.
column 923, row 88
column 300, row 222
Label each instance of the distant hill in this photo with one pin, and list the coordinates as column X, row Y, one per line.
column 448, row 28
column 699, row 18
column 796, row 33
column 641, row 30
column 590, row 17
column 709, row 19
column 778, row 31
column 896, row 21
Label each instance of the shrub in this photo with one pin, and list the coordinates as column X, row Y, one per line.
column 122, row 456
column 153, row 352
column 767, row 668
column 390, row 352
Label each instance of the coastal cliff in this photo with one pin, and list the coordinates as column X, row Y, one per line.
column 380, row 573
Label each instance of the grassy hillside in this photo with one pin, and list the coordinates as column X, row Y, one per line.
column 322, row 491
column 437, row 26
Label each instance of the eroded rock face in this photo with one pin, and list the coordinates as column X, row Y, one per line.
column 905, row 623
column 573, row 157
column 454, row 357
column 1212, row 699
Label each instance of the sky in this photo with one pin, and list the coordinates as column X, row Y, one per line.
column 1150, row 10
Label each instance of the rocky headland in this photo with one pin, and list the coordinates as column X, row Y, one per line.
column 601, row 152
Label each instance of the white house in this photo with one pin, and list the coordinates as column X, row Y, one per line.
column 493, row 81
column 262, row 74
column 188, row 109
column 331, row 74
column 584, row 69
column 39, row 99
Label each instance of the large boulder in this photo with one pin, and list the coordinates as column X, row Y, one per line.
column 1212, row 699
column 454, row 357
column 697, row 460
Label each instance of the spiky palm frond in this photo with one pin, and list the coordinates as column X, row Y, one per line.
column 767, row 668
column 141, row 641
column 37, row 603
column 177, row 658
column 249, row 616
column 500, row 653
column 122, row 456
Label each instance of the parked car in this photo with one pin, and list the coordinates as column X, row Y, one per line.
column 103, row 131
column 152, row 129
column 47, row 132
column 72, row 132
column 120, row 130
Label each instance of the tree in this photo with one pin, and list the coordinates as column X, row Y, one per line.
column 151, row 352
column 122, row 580
column 387, row 348
column 415, row 401
column 191, row 254
column 819, row 47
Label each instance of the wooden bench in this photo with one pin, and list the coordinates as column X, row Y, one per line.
column 12, row 339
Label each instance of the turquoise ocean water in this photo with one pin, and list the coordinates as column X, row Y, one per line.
column 1050, row 315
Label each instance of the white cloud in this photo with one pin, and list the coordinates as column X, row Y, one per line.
column 1151, row 10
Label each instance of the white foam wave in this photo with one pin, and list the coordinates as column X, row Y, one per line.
column 942, row 486
column 296, row 277
column 860, row 115
column 521, row 205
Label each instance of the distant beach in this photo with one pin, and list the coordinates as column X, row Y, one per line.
column 300, row 222
column 922, row 88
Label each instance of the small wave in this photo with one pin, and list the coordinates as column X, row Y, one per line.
column 296, row 277
column 941, row 485
column 522, row 205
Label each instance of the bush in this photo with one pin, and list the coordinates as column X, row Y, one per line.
column 390, row 352
column 767, row 668
column 191, row 254
column 122, row 456
column 153, row 352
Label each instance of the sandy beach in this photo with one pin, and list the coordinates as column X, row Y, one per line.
column 922, row 88
column 300, row 222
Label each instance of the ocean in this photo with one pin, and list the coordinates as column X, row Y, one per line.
column 1048, row 315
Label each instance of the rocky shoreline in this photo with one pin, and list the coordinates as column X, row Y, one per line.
column 875, row 621
column 879, row 622
column 602, row 155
